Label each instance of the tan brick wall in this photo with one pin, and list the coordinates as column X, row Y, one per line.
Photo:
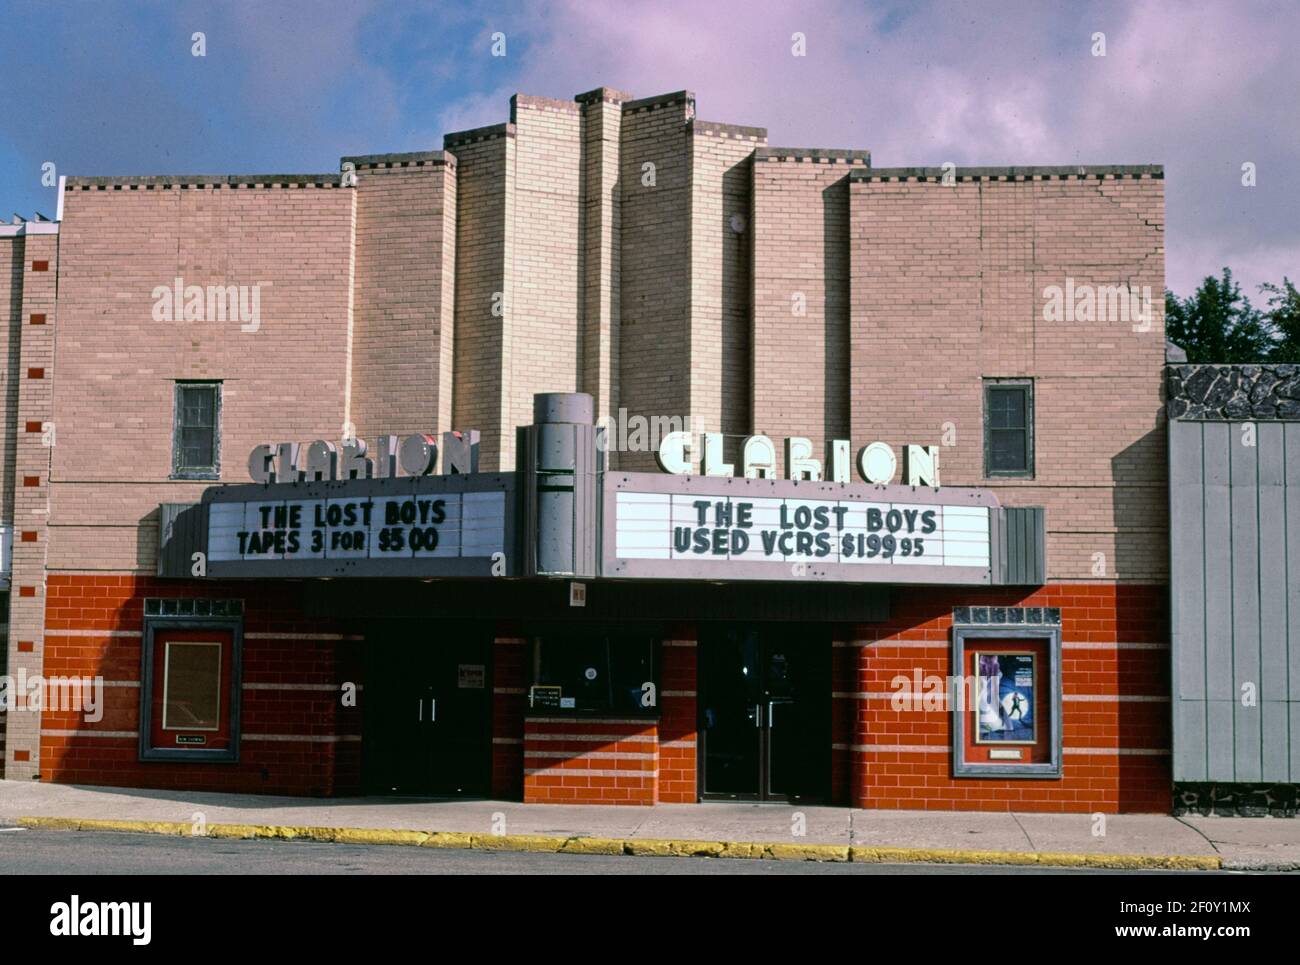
column 800, row 368
column 546, row 275
column 377, row 303
column 601, row 215
column 483, row 340
column 36, row 431
column 947, row 289
column 117, row 368
column 720, row 274
column 404, row 295
column 654, row 281
column 11, row 332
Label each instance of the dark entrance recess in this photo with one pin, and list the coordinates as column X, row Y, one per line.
column 607, row 600
column 765, row 713
column 427, row 708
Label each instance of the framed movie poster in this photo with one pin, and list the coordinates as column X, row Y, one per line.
column 1004, row 686
column 1007, row 719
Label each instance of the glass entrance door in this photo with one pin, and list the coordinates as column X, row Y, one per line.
column 427, row 709
column 765, row 713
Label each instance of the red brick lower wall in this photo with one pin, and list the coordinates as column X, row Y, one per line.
column 678, row 735
column 1115, row 681
column 297, row 737
column 509, row 688
column 584, row 760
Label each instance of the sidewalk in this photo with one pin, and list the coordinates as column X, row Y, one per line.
column 740, row 830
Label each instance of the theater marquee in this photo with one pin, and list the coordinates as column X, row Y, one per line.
column 455, row 525
column 766, row 529
column 318, row 510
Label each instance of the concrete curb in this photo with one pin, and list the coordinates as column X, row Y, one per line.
column 1260, row 865
column 651, row 847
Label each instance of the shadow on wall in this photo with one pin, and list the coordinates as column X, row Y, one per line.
column 1140, row 503
column 147, row 538
column 737, row 305
column 836, row 356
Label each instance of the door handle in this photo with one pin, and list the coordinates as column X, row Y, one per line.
column 433, row 710
column 419, row 714
column 758, row 715
column 771, row 712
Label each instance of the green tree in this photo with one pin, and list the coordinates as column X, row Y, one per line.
column 1218, row 323
column 1283, row 317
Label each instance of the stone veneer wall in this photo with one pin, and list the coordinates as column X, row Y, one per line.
column 1233, row 392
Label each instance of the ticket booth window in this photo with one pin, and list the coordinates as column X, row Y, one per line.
column 594, row 673
column 189, row 701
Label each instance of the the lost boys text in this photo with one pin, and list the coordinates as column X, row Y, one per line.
column 292, row 528
column 805, row 531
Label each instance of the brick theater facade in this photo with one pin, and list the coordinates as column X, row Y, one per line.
column 640, row 265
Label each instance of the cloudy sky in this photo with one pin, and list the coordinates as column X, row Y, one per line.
column 101, row 87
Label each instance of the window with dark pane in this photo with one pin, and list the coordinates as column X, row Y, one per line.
column 592, row 671
column 196, row 445
column 1008, row 429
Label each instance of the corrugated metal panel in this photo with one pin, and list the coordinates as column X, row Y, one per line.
column 1244, row 505
column 1187, row 575
column 182, row 532
column 1291, row 461
column 1022, row 541
column 1234, row 506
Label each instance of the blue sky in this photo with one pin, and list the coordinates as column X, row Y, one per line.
column 101, row 87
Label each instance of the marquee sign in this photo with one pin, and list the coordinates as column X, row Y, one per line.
column 337, row 511
column 430, row 526
column 759, row 529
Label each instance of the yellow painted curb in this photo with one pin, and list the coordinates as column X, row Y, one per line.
column 652, row 847
column 593, row 846
column 672, row 848
column 518, row 842
column 448, row 839
column 324, row 835
column 100, row 824
column 373, row 836
column 1063, row 859
column 1132, row 862
column 242, row 831
column 807, row 852
column 743, row 849
column 939, row 856
column 1145, row 862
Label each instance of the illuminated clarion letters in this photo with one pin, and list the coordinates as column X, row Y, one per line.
column 413, row 455
column 876, row 463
